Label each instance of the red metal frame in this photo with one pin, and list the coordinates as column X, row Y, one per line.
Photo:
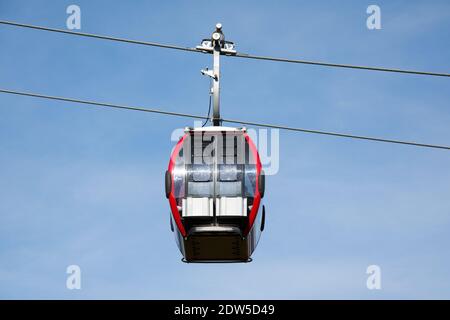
column 257, row 199
column 172, row 200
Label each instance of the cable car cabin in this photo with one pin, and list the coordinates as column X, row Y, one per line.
column 215, row 184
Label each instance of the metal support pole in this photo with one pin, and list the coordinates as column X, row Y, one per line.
column 217, row 46
column 216, row 86
column 217, row 39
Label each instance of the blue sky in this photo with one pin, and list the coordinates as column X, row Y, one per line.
column 81, row 185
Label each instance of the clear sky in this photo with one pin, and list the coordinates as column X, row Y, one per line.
column 84, row 186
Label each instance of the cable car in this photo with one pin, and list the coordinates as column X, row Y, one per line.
column 215, row 182
column 215, row 185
